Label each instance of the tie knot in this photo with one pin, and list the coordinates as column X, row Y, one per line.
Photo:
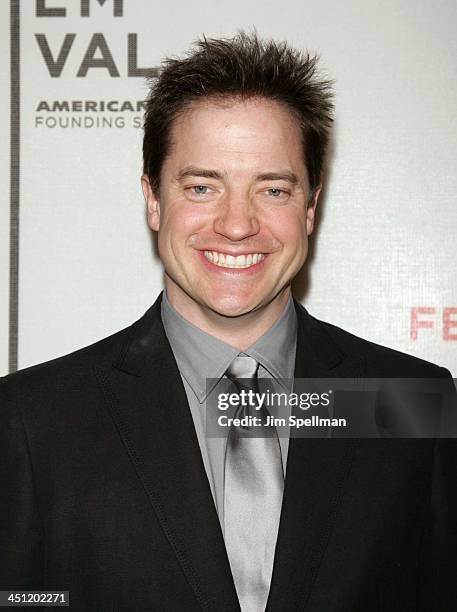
column 242, row 366
column 243, row 372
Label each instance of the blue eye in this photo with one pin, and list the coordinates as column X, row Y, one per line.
column 275, row 192
column 200, row 189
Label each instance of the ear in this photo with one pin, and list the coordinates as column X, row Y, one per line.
column 152, row 203
column 311, row 209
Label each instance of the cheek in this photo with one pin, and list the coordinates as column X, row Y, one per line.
column 181, row 221
column 290, row 230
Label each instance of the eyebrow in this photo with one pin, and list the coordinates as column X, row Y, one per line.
column 285, row 175
column 203, row 172
column 290, row 177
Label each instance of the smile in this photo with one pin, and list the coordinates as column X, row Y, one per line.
column 230, row 261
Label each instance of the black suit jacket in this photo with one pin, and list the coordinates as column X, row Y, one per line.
column 104, row 492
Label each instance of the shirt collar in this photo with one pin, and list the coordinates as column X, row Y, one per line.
column 200, row 356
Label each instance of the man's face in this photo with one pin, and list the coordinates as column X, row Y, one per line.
column 232, row 214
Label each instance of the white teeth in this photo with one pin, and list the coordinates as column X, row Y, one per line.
column 230, row 261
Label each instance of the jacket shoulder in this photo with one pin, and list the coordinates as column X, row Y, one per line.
column 72, row 366
column 380, row 360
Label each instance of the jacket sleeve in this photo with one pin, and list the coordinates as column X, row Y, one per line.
column 438, row 562
column 21, row 533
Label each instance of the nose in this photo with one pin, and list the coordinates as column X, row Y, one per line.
column 236, row 219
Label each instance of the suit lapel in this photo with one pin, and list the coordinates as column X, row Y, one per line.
column 149, row 407
column 315, row 481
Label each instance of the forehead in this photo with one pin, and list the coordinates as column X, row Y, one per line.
column 238, row 133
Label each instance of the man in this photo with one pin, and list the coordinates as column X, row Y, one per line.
column 110, row 487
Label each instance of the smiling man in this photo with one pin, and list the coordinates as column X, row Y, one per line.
column 111, row 487
column 233, row 214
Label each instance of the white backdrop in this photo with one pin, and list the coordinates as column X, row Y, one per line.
column 387, row 227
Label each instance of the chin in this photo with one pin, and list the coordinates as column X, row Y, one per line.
column 230, row 306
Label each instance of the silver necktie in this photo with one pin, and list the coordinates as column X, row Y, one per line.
column 254, row 484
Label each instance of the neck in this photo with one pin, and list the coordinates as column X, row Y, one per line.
column 241, row 331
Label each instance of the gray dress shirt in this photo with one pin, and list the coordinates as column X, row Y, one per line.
column 201, row 356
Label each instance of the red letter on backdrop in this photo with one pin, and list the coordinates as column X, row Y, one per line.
column 448, row 323
column 416, row 323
